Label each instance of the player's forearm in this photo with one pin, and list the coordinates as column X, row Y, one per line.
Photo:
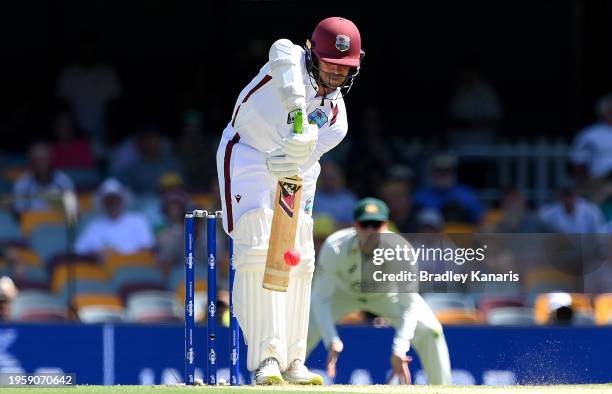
column 405, row 332
column 322, row 314
column 286, row 69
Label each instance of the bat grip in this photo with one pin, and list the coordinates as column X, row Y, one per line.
column 298, row 123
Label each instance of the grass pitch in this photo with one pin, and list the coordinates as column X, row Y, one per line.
column 559, row 389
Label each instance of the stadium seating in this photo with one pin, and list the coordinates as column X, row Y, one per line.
column 488, row 304
column 86, row 202
column 153, row 306
column 457, row 316
column 81, row 271
column 33, row 219
column 447, row 301
column 31, row 305
column 114, row 261
column 49, row 240
column 519, row 316
column 127, row 280
column 93, row 299
column 603, row 308
column 101, row 314
column 9, row 228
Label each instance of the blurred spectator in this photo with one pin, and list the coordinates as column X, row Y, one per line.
column 143, row 175
column 41, row 185
column 88, row 86
column 560, row 307
column 592, row 153
column 8, row 292
column 332, row 197
column 196, row 153
column 475, row 109
column 369, row 155
column 429, row 221
column 323, row 227
column 457, row 202
column 69, row 150
column 115, row 230
column 430, row 224
column 572, row 214
column 170, row 238
column 397, row 193
column 516, row 216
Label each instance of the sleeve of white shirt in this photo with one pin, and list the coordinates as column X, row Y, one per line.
column 581, row 148
column 89, row 240
column 405, row 332
column 330, row 136
column 146, row 239
column 323, row 292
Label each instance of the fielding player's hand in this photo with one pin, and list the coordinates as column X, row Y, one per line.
column 399, row 368
column 334, row 351
column 299, row 147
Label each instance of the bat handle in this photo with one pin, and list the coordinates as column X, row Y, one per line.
column 298, row 123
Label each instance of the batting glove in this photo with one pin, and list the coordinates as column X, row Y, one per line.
column 299, row 147
column 281, row 165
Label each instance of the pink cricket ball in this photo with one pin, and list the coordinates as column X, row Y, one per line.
column 292, row 257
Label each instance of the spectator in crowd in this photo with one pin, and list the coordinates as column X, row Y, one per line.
column 332, row 197
column 560, row 307
column 154, row 161
column 396, row 192
column 88, row 86
column 115, row 230
column 572, row 213
column 323, row 226
column 592, row 153
column 170, row 238
column 475, row 109
column 516, row 216
column 70, row 150
column 41, row 186
column 8, row 292
column 456, row 202
column 369, row 154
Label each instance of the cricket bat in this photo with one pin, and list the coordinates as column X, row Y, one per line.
column 284, row 225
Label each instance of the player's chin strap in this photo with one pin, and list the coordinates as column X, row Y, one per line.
column 315, row 73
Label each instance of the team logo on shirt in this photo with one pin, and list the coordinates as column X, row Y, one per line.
column 343, row 43
column 317, row 117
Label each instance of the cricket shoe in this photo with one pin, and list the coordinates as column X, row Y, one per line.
column 297, row 373
column 268, row 373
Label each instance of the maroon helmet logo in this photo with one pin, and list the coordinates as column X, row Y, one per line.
column 343, row 43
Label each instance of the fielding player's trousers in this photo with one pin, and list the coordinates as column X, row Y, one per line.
column 428, row 340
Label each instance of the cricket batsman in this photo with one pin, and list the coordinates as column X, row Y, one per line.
column 336, row 292
column 258, row 147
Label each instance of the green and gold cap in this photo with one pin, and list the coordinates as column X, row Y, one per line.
column 371, row 209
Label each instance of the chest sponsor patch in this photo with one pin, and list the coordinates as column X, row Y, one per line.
column 317, row 117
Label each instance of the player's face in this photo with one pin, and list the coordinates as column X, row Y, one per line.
column 333, row 75
column 367, row 234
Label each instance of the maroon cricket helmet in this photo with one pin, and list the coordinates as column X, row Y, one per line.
column 337, row 40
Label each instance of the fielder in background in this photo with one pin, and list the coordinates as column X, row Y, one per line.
column 336, row 292
column 258, row 146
